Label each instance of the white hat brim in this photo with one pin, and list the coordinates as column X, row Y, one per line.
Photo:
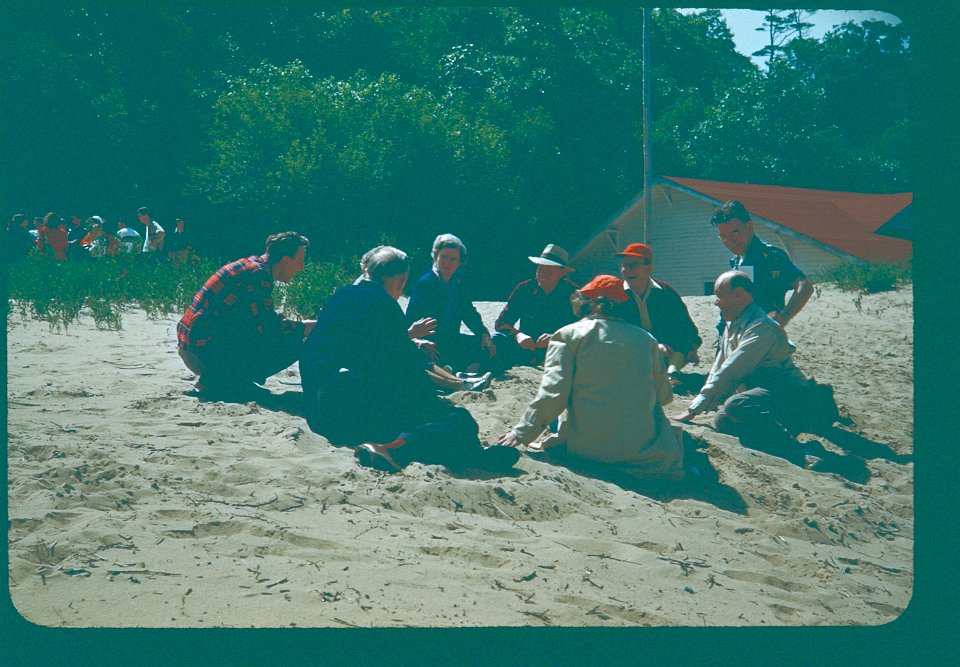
column 548, row 262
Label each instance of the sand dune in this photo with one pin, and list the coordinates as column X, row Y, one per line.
column 133, row 504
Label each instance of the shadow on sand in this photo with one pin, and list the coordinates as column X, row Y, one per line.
column 701, row 481
column 290, row 402
column 858, row 445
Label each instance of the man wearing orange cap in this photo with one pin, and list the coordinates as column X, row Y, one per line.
column 535, row 309
column 608, row 380
column 657, row 307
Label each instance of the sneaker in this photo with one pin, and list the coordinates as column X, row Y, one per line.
column 477, row 384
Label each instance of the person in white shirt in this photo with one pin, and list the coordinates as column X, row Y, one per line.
column 153, row 240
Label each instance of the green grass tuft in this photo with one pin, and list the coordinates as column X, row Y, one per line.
column 58, row 292
column 867, row 278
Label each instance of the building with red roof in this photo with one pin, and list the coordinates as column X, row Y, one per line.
column 817, row 228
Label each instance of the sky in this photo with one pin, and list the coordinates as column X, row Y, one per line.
column 743, row 24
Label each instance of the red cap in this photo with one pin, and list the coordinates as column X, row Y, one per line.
column 636, row 250
column 607, row 286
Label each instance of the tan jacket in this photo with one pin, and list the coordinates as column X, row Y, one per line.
column 609, row 377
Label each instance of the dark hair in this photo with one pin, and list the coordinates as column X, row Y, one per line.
column 584, row 305
column 731, row 210
column 143, row 210
column 284, row 244
column 53, row 219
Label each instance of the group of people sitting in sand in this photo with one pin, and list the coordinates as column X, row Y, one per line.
column 371, row 371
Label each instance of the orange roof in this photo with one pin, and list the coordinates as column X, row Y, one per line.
column 846, row 221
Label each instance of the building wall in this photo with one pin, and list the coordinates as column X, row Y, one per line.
column 687, row 252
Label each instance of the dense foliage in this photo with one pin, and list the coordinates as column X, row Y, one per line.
column 511, row 127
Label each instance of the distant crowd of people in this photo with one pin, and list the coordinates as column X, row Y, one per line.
column 78, row 239
column 609, row 348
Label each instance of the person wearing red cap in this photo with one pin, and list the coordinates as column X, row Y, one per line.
column 657, row 307
column 535, row 309
column 607, row 381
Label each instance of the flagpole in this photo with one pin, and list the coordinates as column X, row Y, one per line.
column 647, row 174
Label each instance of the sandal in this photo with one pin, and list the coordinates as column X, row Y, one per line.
column 376, row 456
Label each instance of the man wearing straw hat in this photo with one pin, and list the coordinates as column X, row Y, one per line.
column 535, row 309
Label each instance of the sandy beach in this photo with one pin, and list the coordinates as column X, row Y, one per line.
column 134, row 504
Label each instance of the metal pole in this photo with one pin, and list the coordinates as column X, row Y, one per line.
column 647, row 173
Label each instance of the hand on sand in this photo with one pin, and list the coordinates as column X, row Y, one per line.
column 686, row 417
column 509, row 439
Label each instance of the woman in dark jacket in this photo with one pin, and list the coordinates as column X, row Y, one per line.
column 439, row 294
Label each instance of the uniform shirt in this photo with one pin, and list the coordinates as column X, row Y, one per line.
column 753, row 342
column 609, row 377
column 772, row 272
column 235, row 302
column 536, row 311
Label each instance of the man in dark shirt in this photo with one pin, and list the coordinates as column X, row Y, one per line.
column 230, row 335
column 657, row 307
column 536, row 308
column 17, row 241
column 769, row 267
column 364, row 385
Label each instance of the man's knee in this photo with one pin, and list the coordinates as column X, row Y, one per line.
column 743, row 411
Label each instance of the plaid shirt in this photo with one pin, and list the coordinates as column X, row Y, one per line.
column 235, row 302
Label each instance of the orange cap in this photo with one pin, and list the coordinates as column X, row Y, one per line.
column 636, row 250
column 606, row 286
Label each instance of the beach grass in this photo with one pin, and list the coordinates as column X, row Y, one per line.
column 59, row 292
column 867, row 277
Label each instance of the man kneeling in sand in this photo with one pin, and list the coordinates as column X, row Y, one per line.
column 759, row 394
column 364, row 382
column 230, row 335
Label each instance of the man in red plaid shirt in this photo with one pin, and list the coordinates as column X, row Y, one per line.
column 231, row 336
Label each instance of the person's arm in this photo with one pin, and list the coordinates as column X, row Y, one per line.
column 553, row 396
column 755, row 344
column 265, row 319
column 802, row 290
column 660, row 380
column 512, row 312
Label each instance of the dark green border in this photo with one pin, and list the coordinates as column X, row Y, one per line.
column 925, row 634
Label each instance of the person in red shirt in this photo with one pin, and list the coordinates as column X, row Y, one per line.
column 52, row 237
column 230, row 335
